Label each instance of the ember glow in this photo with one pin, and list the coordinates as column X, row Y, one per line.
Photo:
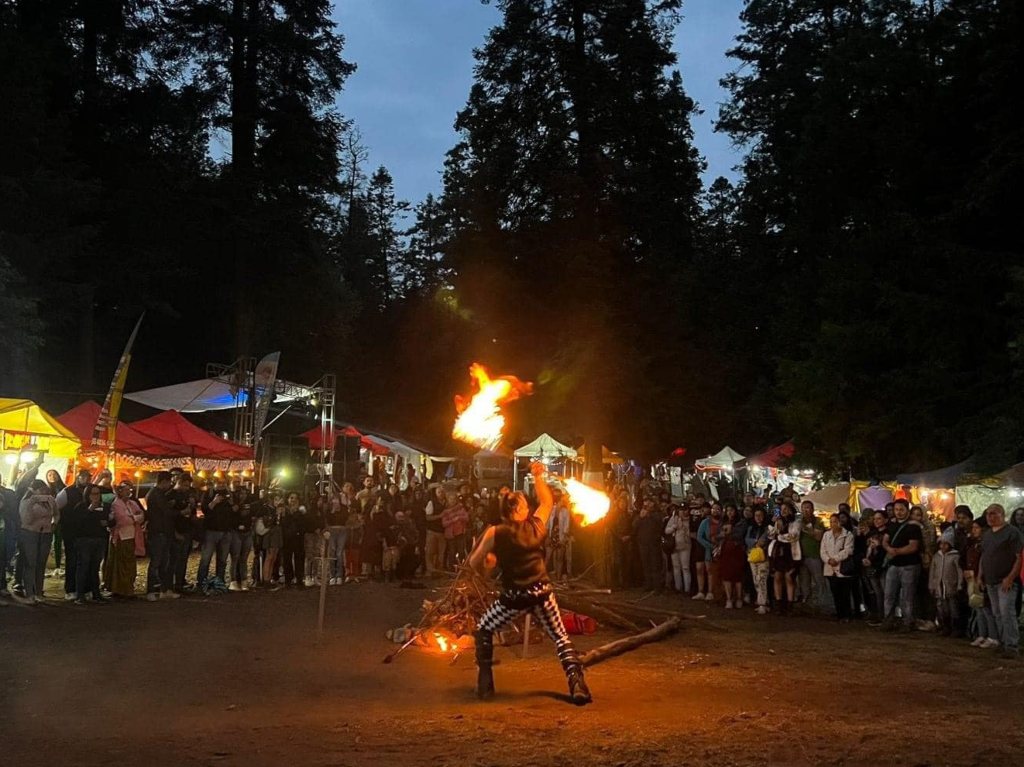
column 592, row 505
column 444, row 644
column 480, row 421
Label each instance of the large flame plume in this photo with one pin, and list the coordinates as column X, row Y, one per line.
column 590, row 504
column 480, row 421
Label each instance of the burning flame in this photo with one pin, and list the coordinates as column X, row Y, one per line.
column 480, row 421
column 587, row 502
column 444, row 644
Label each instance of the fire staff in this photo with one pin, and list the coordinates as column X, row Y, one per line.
column 516, row 546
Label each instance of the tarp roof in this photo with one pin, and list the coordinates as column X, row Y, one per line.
column 81, row 420
column 201, row 396
column 23, row 416
column 545, row 446
column 171, row 426
column 774, row 457
column 725, row 458
column 940, row 478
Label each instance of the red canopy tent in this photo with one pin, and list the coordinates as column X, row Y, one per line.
column 774, row 457
column 171, row 426
column 81, row 420
column 315, row 437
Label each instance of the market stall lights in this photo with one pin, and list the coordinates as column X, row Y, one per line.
column 28, row 456
column 11, row 459
column 282, row 472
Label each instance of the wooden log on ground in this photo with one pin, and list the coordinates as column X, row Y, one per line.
column 620, row 646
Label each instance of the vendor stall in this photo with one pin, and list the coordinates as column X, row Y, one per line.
column 546, row 449
column 28, row 432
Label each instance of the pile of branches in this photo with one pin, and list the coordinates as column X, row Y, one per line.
column 457, row 611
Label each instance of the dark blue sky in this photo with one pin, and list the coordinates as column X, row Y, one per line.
column 416, row 66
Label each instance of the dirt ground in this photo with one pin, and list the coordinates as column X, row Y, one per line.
column 239, row 679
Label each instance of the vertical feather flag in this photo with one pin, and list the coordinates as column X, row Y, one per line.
column 106, row 424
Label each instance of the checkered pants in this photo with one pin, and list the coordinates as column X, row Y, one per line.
column 540, row 600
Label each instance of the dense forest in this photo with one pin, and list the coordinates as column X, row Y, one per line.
column 860, row 288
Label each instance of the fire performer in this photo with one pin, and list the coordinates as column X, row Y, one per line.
column 516, row 546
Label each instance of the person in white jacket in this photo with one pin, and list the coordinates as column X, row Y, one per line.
column 836, row 548
column 679, row 527
column 784, row 555
column 38, row 513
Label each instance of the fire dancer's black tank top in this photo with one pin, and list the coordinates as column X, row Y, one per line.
column 519, row 547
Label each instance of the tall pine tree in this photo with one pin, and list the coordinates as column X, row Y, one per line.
column 573, row 194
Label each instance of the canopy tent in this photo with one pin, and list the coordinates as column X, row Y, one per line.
column 979, row 497
column 207, row 394
column 315, row 436
column 607, row 456
column 545, row 446
column 945, row 477
column 725, row 458
column 81, row 420
column 24, row 426
column 171, row 426
column 829, row 497
column 774, row 457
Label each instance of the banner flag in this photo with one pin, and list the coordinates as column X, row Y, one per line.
column 106, row 424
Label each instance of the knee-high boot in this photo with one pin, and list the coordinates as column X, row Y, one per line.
column 578, row 690
column 484, row 661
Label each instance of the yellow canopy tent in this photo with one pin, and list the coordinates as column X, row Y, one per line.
column 24, row 427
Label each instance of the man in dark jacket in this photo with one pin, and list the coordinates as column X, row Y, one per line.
column 647, row 529
column 160, row 539
column 89, row 522
column 218, row 510
column 68, row 499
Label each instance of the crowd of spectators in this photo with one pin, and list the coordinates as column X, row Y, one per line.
column 894, row 568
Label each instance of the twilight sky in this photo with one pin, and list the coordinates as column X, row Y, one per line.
column 415, row 60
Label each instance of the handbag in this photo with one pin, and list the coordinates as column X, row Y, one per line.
column 848, row 567
column 756, row 556
column 668, row 543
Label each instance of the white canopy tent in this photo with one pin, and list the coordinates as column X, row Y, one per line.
column 545, row 446
column 206, row 394
column 725, row 458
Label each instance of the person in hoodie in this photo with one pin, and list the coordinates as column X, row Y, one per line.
column 241, row 539
column 218, row 510
column 945, row 579
column 37, row 514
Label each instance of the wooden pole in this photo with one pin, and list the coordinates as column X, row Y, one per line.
column 323, row 599
column 526, row 638
column 621, row 646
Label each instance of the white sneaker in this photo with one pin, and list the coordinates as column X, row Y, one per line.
column 761, row 610
column 728, row 604
column 70, row 597
column 309, row 581
column 989, row 643
column 698, row 595
column 245, row 586
column 978, row 642
column 234, row 586
column 152, row 596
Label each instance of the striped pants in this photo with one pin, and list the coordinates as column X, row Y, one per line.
column 540, row 600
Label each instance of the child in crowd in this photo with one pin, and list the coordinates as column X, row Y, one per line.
column 944, row 582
